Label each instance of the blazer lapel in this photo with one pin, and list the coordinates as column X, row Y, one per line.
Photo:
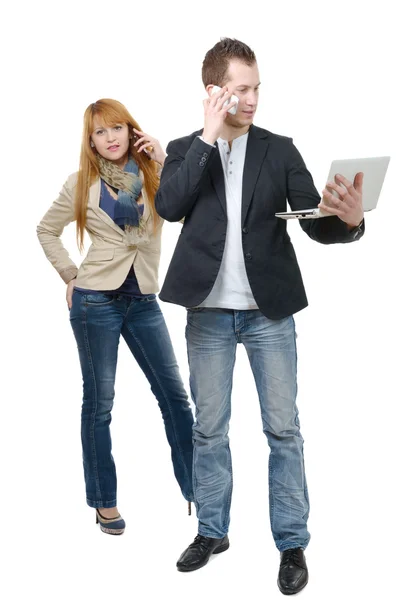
column 94, row 199
column 216, row 173
column 256, row 152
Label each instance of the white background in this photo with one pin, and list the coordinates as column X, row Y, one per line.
column 329, row 80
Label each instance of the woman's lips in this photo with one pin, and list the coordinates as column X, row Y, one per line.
column 113, row 148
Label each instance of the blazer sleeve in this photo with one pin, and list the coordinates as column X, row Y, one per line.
column 301, row 193
column 181, row 177
column 50, row 228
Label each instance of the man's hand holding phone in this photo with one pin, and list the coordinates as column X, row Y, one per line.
column 215, row 111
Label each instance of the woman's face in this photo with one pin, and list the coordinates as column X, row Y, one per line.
column 112, row 143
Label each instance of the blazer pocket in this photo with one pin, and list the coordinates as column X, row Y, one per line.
column 100, row 254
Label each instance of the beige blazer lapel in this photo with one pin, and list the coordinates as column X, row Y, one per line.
column 146, row 209
column 94, row 201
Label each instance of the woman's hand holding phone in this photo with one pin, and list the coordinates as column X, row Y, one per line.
column 150, row 146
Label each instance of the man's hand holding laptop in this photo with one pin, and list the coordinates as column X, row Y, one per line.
column 347, row 205
column 345, row 199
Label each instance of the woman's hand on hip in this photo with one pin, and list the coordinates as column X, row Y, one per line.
column 70, row 289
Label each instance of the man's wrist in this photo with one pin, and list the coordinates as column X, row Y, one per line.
column 356, row 231
column 208, row 139
column 350, row 227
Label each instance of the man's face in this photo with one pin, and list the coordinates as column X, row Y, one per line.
column 243, row 81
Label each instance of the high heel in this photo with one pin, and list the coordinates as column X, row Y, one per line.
column 113, row 526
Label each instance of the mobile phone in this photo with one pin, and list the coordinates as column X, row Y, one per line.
column 135, row 139
column 233, row 98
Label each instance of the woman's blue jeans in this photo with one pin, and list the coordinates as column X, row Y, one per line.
column 98, row 320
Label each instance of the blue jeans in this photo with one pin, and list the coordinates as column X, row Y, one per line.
column 97, row 321
column 212, row 336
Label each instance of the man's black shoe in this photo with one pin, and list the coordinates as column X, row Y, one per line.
column 198, row 553
column 293, row 573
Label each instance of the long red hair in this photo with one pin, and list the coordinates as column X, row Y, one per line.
column 110, row 112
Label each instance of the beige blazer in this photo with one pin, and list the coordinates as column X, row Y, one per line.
column 110, row 256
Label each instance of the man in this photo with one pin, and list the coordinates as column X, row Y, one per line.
column 235, row 270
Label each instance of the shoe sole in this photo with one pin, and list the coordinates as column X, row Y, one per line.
column 112, row 531
column 216, row 551
column 291, row 593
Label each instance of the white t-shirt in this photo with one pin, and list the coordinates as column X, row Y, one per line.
column 231, row 288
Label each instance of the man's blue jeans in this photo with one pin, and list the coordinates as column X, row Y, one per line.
column 212, row 336
column 98, row 320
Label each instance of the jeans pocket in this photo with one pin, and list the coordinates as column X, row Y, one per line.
column 98, row 299
column 74, row 311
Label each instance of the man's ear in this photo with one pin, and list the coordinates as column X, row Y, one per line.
column 209, row 88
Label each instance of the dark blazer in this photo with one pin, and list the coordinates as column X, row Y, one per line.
column 192, row 186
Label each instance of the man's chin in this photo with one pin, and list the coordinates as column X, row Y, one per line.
column 240, row 121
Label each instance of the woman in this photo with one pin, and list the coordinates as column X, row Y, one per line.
column 113, row 292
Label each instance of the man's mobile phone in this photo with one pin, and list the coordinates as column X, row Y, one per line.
column 233, row 98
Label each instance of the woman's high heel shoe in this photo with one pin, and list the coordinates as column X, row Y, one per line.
column 113, row 526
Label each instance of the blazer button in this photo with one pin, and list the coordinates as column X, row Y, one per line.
column 205, row 155
column 245, row 230
column 248, row 256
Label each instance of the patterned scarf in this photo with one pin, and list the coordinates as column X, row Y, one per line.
column 129, row 186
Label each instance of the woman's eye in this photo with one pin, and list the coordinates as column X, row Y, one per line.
column 118, row 127
column 99, row 132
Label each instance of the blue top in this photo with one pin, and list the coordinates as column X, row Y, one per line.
column 130, row 287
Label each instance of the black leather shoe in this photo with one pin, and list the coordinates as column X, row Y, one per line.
column 293, row 573
column 198, row 553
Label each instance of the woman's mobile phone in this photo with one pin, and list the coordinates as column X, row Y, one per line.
column 136, row 138
column 233, row 98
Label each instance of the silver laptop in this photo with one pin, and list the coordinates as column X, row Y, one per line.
column 374, row 170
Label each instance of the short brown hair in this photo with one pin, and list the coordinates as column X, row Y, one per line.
column 216, row 61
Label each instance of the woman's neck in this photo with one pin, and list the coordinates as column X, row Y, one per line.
column 122, row 162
